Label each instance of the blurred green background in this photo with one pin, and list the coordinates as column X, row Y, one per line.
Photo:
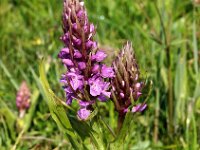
column 166, row 40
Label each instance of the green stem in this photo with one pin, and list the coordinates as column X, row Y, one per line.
column 108, row 127
column 120, row 122
column 169, row 74
column 156, row 120
column 14, row 147
column 170, row 94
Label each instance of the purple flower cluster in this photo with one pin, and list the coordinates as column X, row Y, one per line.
column 126, row 86
column 23, row 99
column 87, row 78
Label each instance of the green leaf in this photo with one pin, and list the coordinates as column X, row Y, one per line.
column 163, row 72
column 97, row 134
column 92, row 129
column 141, row 145
column 82, row 128
column 195, row 47
column 9, row 75
column 118, row 143
column 30, row 114
column 180, row 86
column 10, row 118
column 57, row 110
column 191, row 128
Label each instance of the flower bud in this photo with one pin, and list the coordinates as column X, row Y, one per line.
column 81, row 65
column 99, row 56
column 67, row 62
column 95, row 68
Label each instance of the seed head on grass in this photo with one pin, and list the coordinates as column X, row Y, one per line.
column 87, row 78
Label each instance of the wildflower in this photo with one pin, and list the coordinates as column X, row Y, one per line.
column 87, row 78
column 139, row 108
column 99, row 56
column 107, row 72
column 83, row 113
column 75, row 80
column 98, row 87
column 23, row 99
column 126, row 86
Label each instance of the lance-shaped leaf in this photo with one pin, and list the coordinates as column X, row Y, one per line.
column 10, row 118
column 118, row 143
column 57, row 110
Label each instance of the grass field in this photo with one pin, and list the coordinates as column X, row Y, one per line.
column 166, row 40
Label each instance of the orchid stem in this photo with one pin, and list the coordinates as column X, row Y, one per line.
column 120, row 122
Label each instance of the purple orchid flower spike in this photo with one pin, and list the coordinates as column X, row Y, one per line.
column 87, row 78
column 126, row 85
column 23, row 99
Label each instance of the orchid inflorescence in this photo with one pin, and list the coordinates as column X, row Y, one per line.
column 23, row 99
column 87, row 78
column 126, row 86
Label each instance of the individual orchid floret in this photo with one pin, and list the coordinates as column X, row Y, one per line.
column 107, row 72
column 98, row 86
column 75, row 80
column 83, row 113
column 23, row 99
column 139, row 108
column 127, row 86
column 99, row 56
column 87, row 78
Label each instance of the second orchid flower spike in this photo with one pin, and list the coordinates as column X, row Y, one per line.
column 127, row 86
